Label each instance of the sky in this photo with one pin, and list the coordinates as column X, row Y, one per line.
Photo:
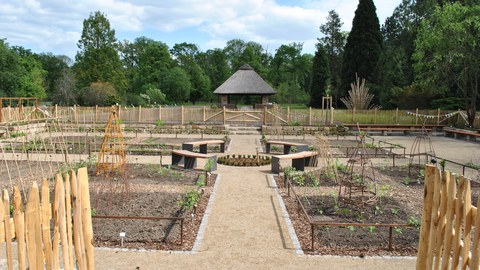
column 55, row 26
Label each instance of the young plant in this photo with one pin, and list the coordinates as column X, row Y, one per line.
column 406, row 181
column 394, row 211
column 351, row 229
column 190, row 200
column 397, row 230
column 412, row 221
column 371, row 229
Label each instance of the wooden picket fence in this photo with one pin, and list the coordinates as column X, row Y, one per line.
column 68, row 245
column 449, row 234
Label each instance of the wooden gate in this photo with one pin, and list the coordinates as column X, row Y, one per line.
column 449, row 234
column 245, row 117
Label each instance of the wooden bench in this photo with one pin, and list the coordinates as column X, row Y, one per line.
column 203, row 145
column 405, row 130
column 460, row 134
column 299, row 160
column 287, row 146
column 189, row 159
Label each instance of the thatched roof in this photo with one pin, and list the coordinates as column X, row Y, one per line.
column 245, row 82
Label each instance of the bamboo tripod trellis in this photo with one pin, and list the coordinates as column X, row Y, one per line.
column 112, row 157
column 422, row 149
column 359, row 186
column 327, row 164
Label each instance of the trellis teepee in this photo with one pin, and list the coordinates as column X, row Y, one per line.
column 112, row 157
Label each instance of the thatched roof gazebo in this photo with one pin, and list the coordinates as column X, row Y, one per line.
column 244, row 82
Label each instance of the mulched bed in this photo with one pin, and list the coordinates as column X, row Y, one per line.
column 147, row 191
column 399, row 202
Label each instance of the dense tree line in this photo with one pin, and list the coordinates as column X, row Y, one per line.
column 425, row 55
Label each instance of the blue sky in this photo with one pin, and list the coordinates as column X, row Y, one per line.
column 55, row 26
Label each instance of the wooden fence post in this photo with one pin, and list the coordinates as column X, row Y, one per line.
column 82, row 178
column 224, row 116
column 8, row 229
column 139, row 113
column 422, row 259
column 96, row 114
column 309, row 116
column 264, row 115
column 396, row 116
column 19, row 218
column 438, row 116
column 331, row 115
column 182, row 120
column 375, row 116
column 204, row 114
column 416, row 116
column 288, row 114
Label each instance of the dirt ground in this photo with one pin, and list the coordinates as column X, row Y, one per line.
column 147, row 191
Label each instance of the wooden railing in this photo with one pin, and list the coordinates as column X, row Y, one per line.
column 68, row 245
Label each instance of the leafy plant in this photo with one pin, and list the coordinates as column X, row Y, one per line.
column 294, row 123
column 442, row 164
column 377, row 211
column 371, row 229
column 93, row 212
column 17, row 134
column 159, row 123
column 208, row 165
column 351, row 229
column 406, row 180
column 201, row 180
column 397, row 230
column 394, row 211
column 412, row 221
column 190, row 200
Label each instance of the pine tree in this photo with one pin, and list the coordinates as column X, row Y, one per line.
column 363, row 48
column 98, row 59
column 320, row 77
column 333, row 42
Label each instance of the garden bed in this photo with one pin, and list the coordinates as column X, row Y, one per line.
column 147, row 191
column 398, row 202
column 244, row 160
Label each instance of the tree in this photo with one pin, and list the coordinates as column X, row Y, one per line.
column 98, row 59
column 21, row 74
column 320, row 77
column 447, row 51
column 54, row 67
column 64, row 91
column 100, row 93
column 214, row 63
column 146, row 63
column 291, row 70
column 185, row 54
column 333, row 43
column 395, row 66
column 363, row 47
column 177, row 85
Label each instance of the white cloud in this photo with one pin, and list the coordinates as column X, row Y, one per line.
column 55, row 25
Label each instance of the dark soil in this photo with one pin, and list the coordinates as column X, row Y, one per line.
column 397, row 202
column 147, row 191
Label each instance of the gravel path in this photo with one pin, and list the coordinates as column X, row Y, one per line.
column 246, row 230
